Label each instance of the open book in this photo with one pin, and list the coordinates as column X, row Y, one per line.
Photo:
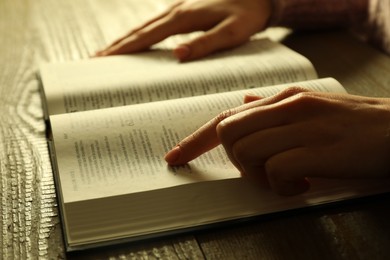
column 112, row 181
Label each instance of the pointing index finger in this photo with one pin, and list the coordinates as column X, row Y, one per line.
column 206, row 138
column 199, row 142
column 202, row 140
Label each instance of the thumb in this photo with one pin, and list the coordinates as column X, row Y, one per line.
column 285, row 173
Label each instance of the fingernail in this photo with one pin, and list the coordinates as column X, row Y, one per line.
column 182, row 52
column 250, row 97
column 173, row 155
column 98, row 54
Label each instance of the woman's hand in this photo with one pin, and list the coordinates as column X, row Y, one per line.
column 297, row 134
column 227, row 23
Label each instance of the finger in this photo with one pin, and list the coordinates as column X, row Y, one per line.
column 117, row 42
column 260, row 115
column 251, row 152
column 251, row 97
column 206, row 137
column 286, row 171
column 166, row 25
column 257, row 147
column 142, row 39
column 159, row 17
column 260, row 178
column 225, row 35
column 201, row 141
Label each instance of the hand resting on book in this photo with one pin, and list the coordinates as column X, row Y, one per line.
column 298, row 134
column 228, row 23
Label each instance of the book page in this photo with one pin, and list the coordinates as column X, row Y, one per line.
column 120, row 150
column 156, row 75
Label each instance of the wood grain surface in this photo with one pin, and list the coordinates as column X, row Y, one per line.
column 36, row 31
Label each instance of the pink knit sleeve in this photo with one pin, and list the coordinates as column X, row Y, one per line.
column 308, row 14
column 369, row 17
column 378, row 31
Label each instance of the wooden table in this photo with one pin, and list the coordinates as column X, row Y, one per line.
column 36, row 31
